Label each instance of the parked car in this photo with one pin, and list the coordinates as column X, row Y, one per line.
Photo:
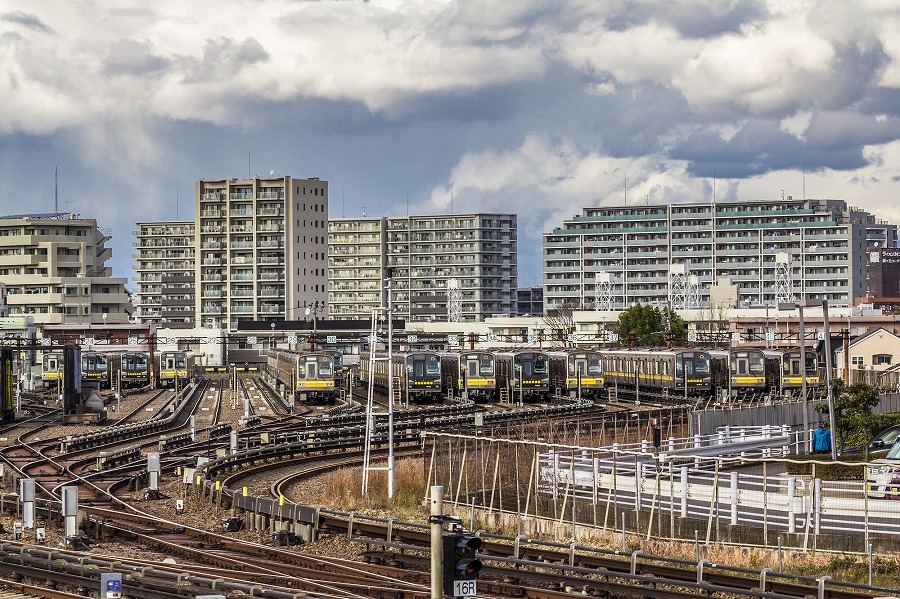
column 883, row 475
column 885, row 439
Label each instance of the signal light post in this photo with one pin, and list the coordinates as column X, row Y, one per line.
column 454, row 561
column 461, row 566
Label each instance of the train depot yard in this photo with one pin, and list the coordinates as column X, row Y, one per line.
column 584, row 471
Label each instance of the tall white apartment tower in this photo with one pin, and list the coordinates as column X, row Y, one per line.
column 262, row 248
column 164, row 293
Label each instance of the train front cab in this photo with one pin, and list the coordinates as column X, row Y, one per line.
column 747, row 369
column 7, row 386
column 696, row 370
column 477, row 376
column 530, row 376
column 580, row 374
column 51, row 369
column 791, row 377
column 315, row 378
column 423, row 376
column 135, row 369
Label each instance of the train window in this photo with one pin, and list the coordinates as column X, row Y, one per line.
column 540, row 365
column 594, row 365
column 472, row 368
column 326, row 368
column 757, row 364
column 487, row 366
column 432, row 366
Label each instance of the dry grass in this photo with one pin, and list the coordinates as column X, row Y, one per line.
column 343, row 489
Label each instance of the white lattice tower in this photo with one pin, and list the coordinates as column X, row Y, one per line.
column 678, row 283
column 784, row 278
column 692, row 295
column 454, row 301
column 603, row 291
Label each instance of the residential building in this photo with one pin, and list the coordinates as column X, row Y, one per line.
column 356, row 266
column 530, row 300
column 876, row 350
column 419, row 256
column 261, row 249
column 164, row 274
column 615, row 256
column 54, row 268
column 884, row 273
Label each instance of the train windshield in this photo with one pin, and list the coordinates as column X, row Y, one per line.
column 479, row 365
column 326, row 367
column 585, row 364
column 338, row 360
column 423, row 365
column 134, row 362
column 691, row 364
column 791, row 363
column 743, row 363
column 93, row 362
column 531, row 364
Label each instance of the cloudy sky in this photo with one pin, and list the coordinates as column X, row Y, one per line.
column 532, row 106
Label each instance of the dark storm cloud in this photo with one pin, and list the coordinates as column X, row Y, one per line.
column 130, row 57
column 837, row 130
column 26, row 20
column 692, row 19
column 760, row 147
column 223, row 58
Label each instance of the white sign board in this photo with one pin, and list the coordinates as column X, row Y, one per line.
column 328, row 339
column 464, row 588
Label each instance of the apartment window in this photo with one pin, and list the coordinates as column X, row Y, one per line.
column 882, row 359
column 856, row 361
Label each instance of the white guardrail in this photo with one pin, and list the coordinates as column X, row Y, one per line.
column 721, row 475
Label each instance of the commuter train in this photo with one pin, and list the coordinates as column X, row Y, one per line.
column 577, row 373
column 51, row 369
column 308, row 376
column 7, row 386
column 523, row 374
column 97, row 369
column 669, row 372
column 135, row 369
column 470, row 374
column 175, row 367
column 417, row 375
column 785, row 369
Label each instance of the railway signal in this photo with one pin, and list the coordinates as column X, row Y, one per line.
column 461, row 566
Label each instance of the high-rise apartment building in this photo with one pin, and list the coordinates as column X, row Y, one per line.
column 54, row 267
column 421, row 255
column 620, row 255
column 261, row 249
column 164, row 274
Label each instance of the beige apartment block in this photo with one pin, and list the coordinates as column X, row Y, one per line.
column 419, row 256
column 261, row 250
column 54, row 268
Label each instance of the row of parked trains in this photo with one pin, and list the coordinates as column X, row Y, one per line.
column 101, row 369
column 530, row 374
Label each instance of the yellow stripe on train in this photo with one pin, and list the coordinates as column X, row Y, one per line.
column 747, row 380
column 593, row 381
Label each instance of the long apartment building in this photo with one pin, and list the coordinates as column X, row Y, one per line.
column 620, row 255
column 261, row 248
column 164, row 291
column 421, row 255
column 54, row 268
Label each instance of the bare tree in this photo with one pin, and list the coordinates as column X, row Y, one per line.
column 561, row 320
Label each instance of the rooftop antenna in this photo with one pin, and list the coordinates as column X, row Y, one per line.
column 56, row 190
column 407, row 203
column 782, row 195
column 451, row 198
column 248, row 163
column 364, row 211
column 626, row 188
column 647, row 197
column 804, row 181
column 714, row 186
column 176, row 204
column 343, row 204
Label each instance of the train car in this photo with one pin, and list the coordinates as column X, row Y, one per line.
column 96, row 369
column 417, row 375
column 135, row 369
column 470, row 374
column 523, row 375
column 577, row 373
column 7, row 386
column 667, row 372
column 51, row 369
column 175, row 366
column 784, row 366
column 340, row 371
column 309, row 376
column 747, row 372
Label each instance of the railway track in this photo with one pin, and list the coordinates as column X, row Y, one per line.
column 398, row 568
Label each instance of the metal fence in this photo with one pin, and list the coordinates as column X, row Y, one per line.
column 732, row 486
